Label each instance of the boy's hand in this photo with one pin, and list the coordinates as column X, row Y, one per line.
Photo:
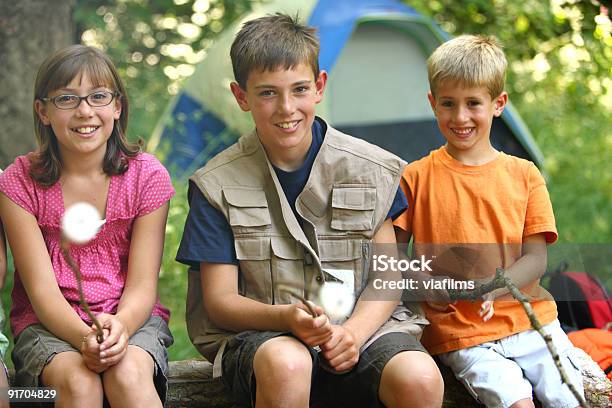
column 341, row 351
column 486, row 309
column 114, row 346
column 313, row 331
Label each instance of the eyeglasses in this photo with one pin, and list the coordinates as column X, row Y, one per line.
column 94, row 99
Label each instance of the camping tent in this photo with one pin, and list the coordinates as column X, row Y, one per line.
column 375, row 52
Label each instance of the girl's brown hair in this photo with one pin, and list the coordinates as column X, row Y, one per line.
column 57, row 71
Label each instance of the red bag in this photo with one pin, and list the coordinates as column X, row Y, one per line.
column 590, row 304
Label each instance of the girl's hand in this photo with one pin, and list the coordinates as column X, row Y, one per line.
column 90, row 350
column 311, row 330
column 114, row 346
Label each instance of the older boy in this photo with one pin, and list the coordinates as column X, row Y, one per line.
column 492, row 210
column 286, row 202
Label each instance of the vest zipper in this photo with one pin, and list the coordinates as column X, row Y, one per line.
column 365, row 264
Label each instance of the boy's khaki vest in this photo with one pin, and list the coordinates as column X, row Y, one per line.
column 346, row 199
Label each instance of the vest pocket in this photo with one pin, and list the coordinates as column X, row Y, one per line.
column 255, row 278
column 248, row 209
column 353, row 207
column 287, row 268
column 344, row 254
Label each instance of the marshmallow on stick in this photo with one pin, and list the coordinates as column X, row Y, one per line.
column 81, row 223
column 337, row 300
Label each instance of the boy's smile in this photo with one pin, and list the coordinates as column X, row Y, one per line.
column 282, row 103
column 464, row 116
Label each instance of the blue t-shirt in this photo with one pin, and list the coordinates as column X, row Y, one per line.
column 208, row 237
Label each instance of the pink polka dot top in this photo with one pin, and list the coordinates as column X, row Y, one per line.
column 143, row 188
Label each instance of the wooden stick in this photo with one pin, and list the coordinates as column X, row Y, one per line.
column 79, row 279
column 516, row 292
column 501, row 281
column 287, row 288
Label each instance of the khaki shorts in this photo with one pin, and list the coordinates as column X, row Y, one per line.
column 36, row 346
column 355, row 388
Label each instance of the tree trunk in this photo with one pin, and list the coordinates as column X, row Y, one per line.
column 29, row 31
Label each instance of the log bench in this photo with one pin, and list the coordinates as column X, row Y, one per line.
column 191, row 385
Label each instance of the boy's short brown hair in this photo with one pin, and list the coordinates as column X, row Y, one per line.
column 470, row 59
column 272, row 42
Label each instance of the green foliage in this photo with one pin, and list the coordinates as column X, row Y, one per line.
column 173, row 277
column 559, row 79
column 155, row 45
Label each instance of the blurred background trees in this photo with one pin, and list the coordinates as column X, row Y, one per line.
column 559, row 77
column 559, row 80
column 29, row 30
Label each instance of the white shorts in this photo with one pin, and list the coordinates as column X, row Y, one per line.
column 502, row 372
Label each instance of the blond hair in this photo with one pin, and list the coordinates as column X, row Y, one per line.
column 273, row 42
column 472, row 60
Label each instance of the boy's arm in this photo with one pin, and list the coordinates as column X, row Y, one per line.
column 369, row 315
column 231, row 311
column 437, row 299
column 402, row 236
column 529, row 267
column 342, row 350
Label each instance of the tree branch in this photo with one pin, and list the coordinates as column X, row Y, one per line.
column 79, row 279
column 287, row 287
column 500, row 281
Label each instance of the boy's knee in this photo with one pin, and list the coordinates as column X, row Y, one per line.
column 410, row 375
column 283, row 357
column 523, row 403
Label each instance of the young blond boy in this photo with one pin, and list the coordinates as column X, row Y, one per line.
column 476, row 209
column 286, row 201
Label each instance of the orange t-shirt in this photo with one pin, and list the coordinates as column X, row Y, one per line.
column 475, row 217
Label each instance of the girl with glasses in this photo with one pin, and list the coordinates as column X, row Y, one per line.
column 81, row 115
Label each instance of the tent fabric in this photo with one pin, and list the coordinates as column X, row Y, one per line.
column 204, row 118
column 336, row 20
